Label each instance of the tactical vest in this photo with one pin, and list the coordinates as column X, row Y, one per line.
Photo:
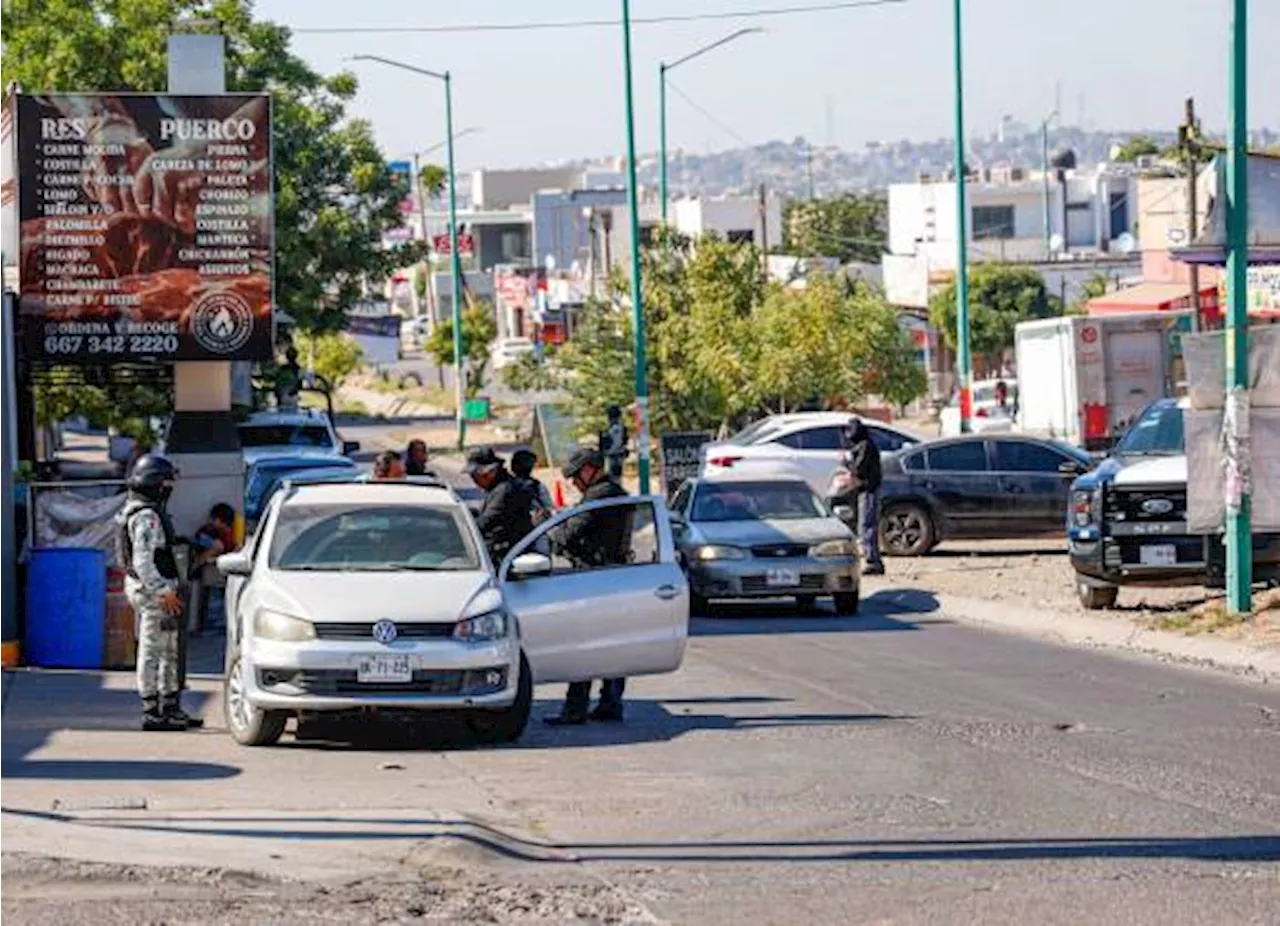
column 164, row 559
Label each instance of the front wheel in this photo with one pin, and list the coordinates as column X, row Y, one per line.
column 906, row 530
column 1096, row 597
column 698, row 606
column 847, row 603
column 248, row 725
column 508, row 724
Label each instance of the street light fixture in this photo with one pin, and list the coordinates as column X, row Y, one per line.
column 662, row 105
column 456, row 261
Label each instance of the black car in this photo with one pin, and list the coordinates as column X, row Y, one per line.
column 977, row 486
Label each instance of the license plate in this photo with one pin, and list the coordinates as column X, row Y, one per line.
column 384, row 669
column 782, row 578
column 1158, row 554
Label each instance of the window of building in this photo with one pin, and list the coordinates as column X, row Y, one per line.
column 992, row 222
column 740, row 236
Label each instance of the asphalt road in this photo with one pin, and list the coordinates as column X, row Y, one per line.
column 890, row 768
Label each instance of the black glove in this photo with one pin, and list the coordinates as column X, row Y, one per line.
column 168, row 623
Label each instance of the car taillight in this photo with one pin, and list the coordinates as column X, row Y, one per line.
column 725, row 462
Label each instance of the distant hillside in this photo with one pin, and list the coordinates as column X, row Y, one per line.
column 784, row 166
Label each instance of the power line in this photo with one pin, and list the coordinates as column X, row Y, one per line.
column 603, row 23
column 707, row 114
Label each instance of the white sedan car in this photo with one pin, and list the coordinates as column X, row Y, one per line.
column 804, row 445
column 381, row 595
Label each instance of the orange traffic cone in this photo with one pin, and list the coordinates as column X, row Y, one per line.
column 557, row 497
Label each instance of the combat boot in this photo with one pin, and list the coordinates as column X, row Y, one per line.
column 171, row 709
column 153, row 719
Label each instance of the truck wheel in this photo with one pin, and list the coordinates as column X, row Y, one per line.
column 906, row 529
column 1096, row 597
column 248, row 725
column 506, row 725
column 846, row 603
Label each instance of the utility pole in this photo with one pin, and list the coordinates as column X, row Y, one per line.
column 1235, row 423
column 1188, row 141
column 809, row 165
column 764, row 232
column 964, row 360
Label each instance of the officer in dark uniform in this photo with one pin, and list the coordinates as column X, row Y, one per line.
column 506, row 514
column 594, row 538
column 146, row 544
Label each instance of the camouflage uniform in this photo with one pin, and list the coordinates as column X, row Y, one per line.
column 146, row 584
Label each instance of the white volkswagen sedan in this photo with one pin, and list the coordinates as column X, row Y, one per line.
column 381, row 595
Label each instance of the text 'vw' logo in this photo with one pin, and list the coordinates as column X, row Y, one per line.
column 384, row 631
column 1157, row 506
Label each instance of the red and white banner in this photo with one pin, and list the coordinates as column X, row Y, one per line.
column 466, row 244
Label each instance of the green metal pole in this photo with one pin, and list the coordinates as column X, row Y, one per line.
column 964, row 362
column 459, row 374
column 662, row 138
column 637, row 290
column 1239, row 534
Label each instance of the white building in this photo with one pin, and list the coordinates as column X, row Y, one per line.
column 1014, row 216
column 734, row 218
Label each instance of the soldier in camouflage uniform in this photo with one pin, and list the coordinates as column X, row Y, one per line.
column 151, row 583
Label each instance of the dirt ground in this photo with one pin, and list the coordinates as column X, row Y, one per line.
column 1038, row 574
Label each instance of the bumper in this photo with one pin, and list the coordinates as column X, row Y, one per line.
column 1199, row 560
column 750, row 578
column 324, row 675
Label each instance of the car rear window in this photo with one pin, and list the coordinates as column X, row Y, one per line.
column 285, row 435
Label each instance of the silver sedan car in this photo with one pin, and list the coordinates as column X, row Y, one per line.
column 746, row 537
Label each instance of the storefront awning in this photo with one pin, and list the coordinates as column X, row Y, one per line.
column 1155, row 297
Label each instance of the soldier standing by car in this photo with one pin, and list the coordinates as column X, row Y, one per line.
column 613, row 441
column 594, row 538
column 862, row 460
column 506, row 514
column 146, row 547
column 523, row 462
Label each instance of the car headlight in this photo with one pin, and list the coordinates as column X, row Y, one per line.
column 272, row 625
column 1082, row 508
column 833, row 548
column 717, row 552
column 489, row 626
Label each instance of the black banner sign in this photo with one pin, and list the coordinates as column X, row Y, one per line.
column 680, row 457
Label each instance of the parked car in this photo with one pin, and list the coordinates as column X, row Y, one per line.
column 805, row 445
column 744, row 537
column 988, row 486
column 306, row 432
column 988, row 415
column 1127, row 523
column 264, row 476
column 379, row 595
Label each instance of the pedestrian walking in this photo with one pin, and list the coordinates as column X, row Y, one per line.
column 388, row 467
column 416, row 458
column 506, row 514
column 523, row 461
column 613, row 441
column 146, row 549
column 862, row 462
column 591, row 539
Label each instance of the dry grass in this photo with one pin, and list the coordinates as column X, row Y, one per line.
column 1211, row 617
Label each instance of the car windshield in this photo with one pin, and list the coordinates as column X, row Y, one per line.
column 1158, row 432
column 285, row 435
column 756, row 501
column 371, row 538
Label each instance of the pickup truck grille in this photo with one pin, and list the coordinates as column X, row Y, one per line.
column 1147, row 505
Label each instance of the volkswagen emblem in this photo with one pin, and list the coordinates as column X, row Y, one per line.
column 1157, row 506
column 384, row 631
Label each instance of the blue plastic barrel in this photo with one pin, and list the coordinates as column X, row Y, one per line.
column 66, row 608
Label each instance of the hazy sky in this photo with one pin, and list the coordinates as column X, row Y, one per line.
column 845, row 76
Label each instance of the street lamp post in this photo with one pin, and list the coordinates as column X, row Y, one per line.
column 1044, row 170
column 637, row 290
column 456, row 260
column 1238, row 528
column 662, row 106
column 964, row 362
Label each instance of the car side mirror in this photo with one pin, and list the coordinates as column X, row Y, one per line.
column 843, row 512
column 1071, row 468
column 529, row 565
column 349, row 447
column 235, row 564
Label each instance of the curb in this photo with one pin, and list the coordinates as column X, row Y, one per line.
column 1123, row 635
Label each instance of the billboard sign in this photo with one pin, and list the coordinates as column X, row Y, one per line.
column 681, row 457
column 466, row 244
column 146, row 227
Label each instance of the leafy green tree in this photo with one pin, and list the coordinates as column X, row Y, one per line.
column 1137, row 146
column 848, row 227
column 433, row 178
column 1097, row 285
column 479, row 328
column 528, row 373
column 1000, row 296
column 334, row 357
column 334, row 195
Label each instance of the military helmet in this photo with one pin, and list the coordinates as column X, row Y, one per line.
column 152, row 476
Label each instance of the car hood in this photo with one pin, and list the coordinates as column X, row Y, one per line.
column 426, row 597
column 762, row 533
column 1135, row 470
column 281, row 451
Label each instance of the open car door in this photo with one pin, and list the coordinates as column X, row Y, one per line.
column 610, row 601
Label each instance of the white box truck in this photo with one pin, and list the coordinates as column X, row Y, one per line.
column 1085, row 378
